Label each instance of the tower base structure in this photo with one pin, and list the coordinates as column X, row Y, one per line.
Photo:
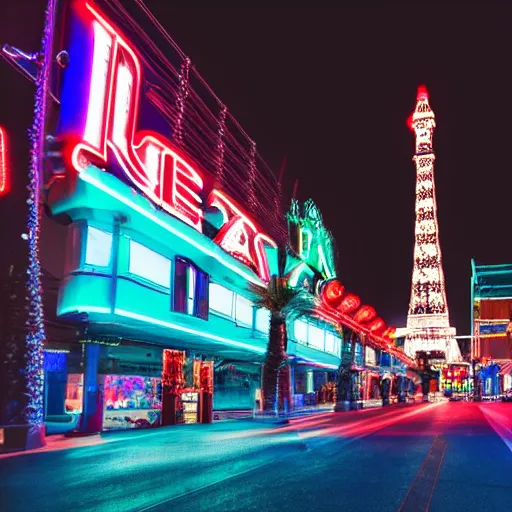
column 431, row 333
column 436, row 340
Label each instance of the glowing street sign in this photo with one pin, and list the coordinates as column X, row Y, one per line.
column 146, row 157
column 239, row 236
column 110, row 136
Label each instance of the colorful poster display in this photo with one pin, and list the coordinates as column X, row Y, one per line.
column 131, row 402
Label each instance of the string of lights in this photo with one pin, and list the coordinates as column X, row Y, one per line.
column 428, row 290
column 202, row 124
column 220, row 144
column 35, row 333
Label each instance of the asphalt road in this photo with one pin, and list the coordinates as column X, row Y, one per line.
column 438, row 457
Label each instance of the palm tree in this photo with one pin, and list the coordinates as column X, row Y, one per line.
column 283, row 303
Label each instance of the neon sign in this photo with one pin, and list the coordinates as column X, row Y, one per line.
column 110, row 138
column 4, row 167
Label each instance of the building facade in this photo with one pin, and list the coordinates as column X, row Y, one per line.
column 149, row 217
column 491, row 313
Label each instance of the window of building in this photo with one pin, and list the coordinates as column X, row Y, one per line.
column 221, row 299
column 263, row 320
column 370, row 356
column 98, row 247
column 316, row 337
column 191, row 287
column 300, row 331
column 243, row 310
column 331, row 343
column 359, row 354
column 150, row 265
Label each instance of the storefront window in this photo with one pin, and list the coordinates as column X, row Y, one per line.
column 131, row 402
column 149, row 264
column 98, row 247
column 74, row 393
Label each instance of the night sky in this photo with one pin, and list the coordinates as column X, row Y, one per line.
column 332, row 89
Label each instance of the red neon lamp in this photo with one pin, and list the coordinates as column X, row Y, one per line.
column 365, row 314
column 350, row 303
column 377, row 326
column 332, row 293
column 4, row 167
column 422, row 93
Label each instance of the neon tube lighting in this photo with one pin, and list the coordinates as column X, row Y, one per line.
column 493, row 298
column 155, row 321
column 328, row 271
column 295, row 274
column 147, row 158
column 84, row 175
column 84, row 309
column 4, row 175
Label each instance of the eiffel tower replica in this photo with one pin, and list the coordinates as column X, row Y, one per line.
column 428, row 323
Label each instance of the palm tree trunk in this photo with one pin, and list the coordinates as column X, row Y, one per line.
column 346, row 384
column 276, row 355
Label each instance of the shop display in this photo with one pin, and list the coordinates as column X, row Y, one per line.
column 131, row 402
column 190, row 403
column 74, row 393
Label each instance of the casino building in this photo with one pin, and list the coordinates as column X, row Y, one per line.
column 158, row 215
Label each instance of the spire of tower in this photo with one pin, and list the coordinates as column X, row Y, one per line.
column 422, row 93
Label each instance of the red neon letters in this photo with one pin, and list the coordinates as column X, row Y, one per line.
column 4, row 166
column 147, row 158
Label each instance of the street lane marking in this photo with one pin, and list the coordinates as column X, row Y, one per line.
column 420, row 493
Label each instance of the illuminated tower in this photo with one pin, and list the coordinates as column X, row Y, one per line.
column 428, row 323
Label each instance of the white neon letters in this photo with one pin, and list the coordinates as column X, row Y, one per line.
column 146, row 157
column 149, row 160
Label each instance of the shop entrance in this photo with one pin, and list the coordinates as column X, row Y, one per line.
column 187, row 388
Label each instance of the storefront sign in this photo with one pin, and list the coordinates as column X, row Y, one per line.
column 111, row 118
column 493, row 328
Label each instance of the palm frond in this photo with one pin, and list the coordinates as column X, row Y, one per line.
column 279, row 298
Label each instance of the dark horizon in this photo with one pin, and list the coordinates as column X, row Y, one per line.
column 332, row 89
